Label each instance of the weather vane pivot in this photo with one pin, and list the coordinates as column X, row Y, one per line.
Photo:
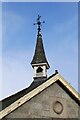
column 39, row 24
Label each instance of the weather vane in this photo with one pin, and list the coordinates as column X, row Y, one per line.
column 39, row 24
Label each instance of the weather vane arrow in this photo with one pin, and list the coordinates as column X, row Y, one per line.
column 39, row 23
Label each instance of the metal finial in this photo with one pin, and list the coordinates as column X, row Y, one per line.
column 39, row 24
column 56, row 71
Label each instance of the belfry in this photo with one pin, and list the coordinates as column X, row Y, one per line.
column 39, row 62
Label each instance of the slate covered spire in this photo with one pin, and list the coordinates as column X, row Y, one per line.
column 39, row 56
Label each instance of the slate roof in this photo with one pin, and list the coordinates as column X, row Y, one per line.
column 39, row 56
column 9, row 100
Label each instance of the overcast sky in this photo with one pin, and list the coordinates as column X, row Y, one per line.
column 60, row 38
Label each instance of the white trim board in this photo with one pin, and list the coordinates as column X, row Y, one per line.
column 37, row 90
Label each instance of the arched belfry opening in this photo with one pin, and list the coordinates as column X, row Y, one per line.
column 39, row 70
column 39, row 61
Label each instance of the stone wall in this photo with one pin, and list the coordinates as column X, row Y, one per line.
column 53, row 102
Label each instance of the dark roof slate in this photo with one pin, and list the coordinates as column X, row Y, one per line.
column 9, row 100
column 39, row 56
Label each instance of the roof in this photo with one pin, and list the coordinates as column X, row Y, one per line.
column 9, row 100
column 39, row 56
column 35, row 88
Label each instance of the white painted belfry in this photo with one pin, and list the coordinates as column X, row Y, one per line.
column 40, row 74
column 39, row 61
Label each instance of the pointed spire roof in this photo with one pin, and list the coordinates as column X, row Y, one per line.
column 39, row 56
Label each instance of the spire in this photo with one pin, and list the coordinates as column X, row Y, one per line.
column 39, row 56
column 39, row 61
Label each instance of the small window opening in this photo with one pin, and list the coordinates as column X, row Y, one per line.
column 39, row 69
